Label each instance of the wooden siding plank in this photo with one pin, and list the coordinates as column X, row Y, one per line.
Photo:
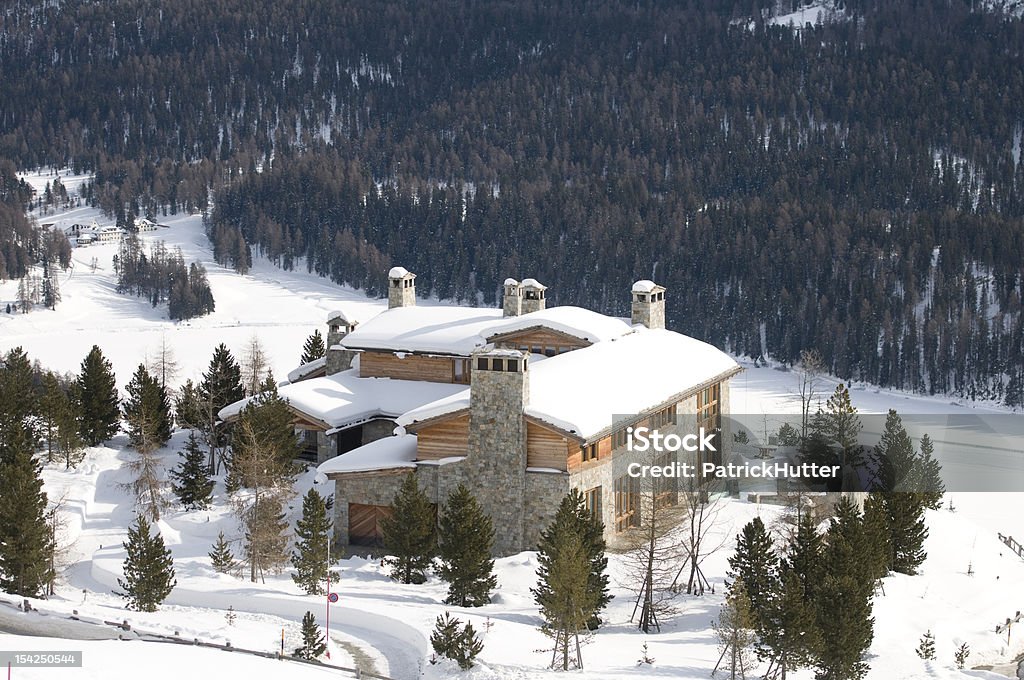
column 545, row 448
column 411, row 367
column 443, row 439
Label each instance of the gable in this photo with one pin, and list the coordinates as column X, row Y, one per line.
column 539, row 340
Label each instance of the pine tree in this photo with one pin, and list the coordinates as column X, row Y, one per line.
column 833, row 434
column 843, row 602
column 450, row 640
column 961, row 654
column 26, row 542
column 928, row 475
column 907, row 532
column 573, row 516
column 147, row 412
column 313, row 349
column 312, row 532
column 410, row 533
column 313, row 642
column 926, row 647
column 805, row 555
column 220, row 387
column 148, row 568
column 895, row 457
column 230, row 615
column 466, row 541
column 756, row 564
column 99, row 413
column 876, row 535
column 221, row 557
column 789, row 635
column 60, row 422
column 564, row 593
column 19, row 403
column 195, row 487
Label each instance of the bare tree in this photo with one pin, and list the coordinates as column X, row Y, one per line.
column 809, row 371
column 147, row 484
column 701, row 505
column 61, row 540
column 255, row 363
column 163, row 364
column 258, row 503
column 735, row 631
column 656, row 546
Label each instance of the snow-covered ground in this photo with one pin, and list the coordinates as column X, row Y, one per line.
column 386, row 625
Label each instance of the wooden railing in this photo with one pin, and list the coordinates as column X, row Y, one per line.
column 1013, row 545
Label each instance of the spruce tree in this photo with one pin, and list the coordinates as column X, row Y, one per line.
column 221, row 557
column 896, row 460
column 220, row 387
column 876, row 535
column 804, row 556
column 789, row 635
column 961, row 654
column 410, row 533
column 195, row 486
column 19, row 403
column 926, row 647
column 148, row 568
column 466, row 540
column 313, row 642
column 99, row 412
column 756, row 564
column 313, row 349
column 147, row 412
column 26, row 542
column 928, row 475
column 907, row 531
column 312, row 532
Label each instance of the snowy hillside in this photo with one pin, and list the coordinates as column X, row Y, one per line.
column 969, row 584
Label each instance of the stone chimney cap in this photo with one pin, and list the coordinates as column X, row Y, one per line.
column 534, row 283
column 399, row 273
column 646, row 286
column 337, row 314
column 511, row 282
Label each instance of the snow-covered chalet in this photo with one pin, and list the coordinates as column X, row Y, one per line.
column 521, row 404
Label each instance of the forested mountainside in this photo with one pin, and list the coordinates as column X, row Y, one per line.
column 854, row 187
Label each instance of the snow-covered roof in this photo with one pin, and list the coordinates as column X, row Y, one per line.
column 337, row 314
column 645, row 286
column 533, row 283
column 581, row 391
column 440, row 329
column 387, row 453
column 305, row 369
column 345, row 399
column 511, row 282
column 398, row 272
column 575, row 321
column 460, row 330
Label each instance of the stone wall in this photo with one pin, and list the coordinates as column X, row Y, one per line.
column 544, row 492
column 377, row 429
column 339, row 359
column 378, row 488
column 326, row 447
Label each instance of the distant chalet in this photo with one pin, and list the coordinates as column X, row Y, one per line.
column 521, row 404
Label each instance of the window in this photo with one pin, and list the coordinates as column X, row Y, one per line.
column 590, row 452
column 619, row 439
column 460, row 371
column 709, row 416
column 481, row 364
column 627, row 504
column 592, row 499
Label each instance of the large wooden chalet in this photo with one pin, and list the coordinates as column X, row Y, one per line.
column 521, row 404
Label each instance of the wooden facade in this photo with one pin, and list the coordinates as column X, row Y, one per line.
column 407, row 367
column 539, row 340
column 545, row 448
column 444, row 438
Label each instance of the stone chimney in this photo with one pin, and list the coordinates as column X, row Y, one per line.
column 339, row 358
column 533, row 296
column 401, row 288
column 648, row 304
column 496, row 456
column 512, row 302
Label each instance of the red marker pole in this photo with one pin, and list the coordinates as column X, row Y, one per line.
column 328, row 596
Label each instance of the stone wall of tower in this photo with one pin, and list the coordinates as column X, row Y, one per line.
column 402, row 291
column 339, row 358
column 648, row 308
column 512, row 300
column 495, row 464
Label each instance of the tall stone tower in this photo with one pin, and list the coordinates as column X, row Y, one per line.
column 533, row 296
column 338, row 357
column 401, row 288
column 648, row 304
column 496, row 460
column 512, row 301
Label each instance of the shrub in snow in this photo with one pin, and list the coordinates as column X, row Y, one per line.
column 148, row 568
column 313, row 642
column 961, row 654
column 926, row 648
column 452, row 640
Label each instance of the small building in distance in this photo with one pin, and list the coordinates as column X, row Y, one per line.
column 521, row 403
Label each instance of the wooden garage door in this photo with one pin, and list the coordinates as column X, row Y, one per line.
column 364, row 524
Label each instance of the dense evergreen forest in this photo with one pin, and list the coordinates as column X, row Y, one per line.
column 853, row 186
